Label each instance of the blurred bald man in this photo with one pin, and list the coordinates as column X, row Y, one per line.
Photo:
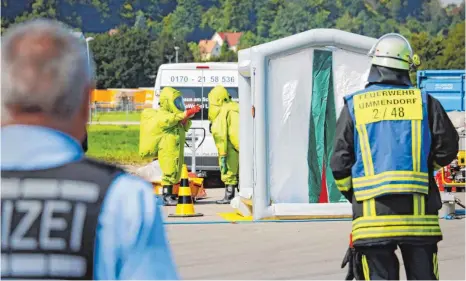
column 65, row 216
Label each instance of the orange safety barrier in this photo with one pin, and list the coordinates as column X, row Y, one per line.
column 149, row 96
column 138, row 96
column 102, row 96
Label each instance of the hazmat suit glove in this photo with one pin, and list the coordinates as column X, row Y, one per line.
column 192, row 111
column 223, row 164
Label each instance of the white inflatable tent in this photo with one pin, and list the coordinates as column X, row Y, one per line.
column 275, row 84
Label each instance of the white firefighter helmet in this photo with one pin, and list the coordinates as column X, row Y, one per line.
column 394, row 51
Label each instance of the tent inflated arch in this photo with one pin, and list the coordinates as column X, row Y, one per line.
column 282, row 83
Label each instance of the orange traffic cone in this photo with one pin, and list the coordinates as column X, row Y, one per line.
column 185, row 206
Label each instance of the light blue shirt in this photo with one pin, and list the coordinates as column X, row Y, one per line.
column 130, row 239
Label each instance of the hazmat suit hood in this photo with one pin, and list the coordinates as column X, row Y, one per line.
column 171, row 100
column 218, row 96
column 385, row 75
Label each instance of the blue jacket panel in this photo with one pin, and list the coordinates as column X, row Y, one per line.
column 391, row 155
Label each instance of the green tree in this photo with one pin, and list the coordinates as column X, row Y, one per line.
column 429, row 50
column 213, row 19
column 456, row 13
column 236, row 14
column 414, row 25
column 301, row 15
column 232, row 15
column 48, row 9
column 140, row 20
column 395, row 9
column 127, row 11
column 123, row 60
column 266, row 11
column 194, row 49
column 164, row 46
column 353, row 6
column 248, row 39
column 292, row 18
column 348, row 23
column 435, row 17
column 453, row 49
column 185, row 18
column 437, row 33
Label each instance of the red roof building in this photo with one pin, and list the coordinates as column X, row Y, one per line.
column 209, row 49
column 231, row 38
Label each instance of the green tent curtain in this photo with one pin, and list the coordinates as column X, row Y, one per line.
column 322, row 128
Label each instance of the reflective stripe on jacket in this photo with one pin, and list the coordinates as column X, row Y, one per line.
column 395, row 218
column 398, row 217
column 390, row 176
column 392, row 141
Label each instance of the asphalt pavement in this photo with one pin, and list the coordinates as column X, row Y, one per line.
column 284, row 250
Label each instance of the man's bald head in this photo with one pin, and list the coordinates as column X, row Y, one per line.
column 44, row 71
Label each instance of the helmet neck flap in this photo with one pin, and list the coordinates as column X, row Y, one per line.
column 384, row 75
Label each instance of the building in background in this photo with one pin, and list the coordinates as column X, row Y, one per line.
column 231, row 38
column 212, row 48
column 209, row 49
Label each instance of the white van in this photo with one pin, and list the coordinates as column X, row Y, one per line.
column 194, row 81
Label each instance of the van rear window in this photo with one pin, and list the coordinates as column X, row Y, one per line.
column 198, row 95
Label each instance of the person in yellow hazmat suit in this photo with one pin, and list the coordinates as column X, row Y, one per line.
column 224, row 117
column 172, row 123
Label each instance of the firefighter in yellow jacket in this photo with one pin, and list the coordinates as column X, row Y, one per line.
column 224, row 118
column 172, row 123
column 389, row 138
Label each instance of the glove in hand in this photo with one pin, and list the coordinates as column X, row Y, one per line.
column 223, row 165
column 192, row 111
column 353, row 259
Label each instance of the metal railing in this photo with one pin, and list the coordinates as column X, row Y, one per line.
column 192, row 138
column 115, row 112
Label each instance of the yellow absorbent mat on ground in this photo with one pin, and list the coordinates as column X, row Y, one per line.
column 234, row 217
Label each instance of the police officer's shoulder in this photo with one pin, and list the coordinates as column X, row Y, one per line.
column 132, row 187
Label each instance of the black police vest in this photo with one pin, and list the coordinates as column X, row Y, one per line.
column 49, row 220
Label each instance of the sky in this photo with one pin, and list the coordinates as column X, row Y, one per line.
column 446, row 2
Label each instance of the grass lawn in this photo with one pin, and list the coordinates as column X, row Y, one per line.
column 116, row 116
column 115, row 143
